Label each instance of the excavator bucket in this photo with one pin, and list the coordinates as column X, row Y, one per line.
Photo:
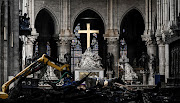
column 3, row 95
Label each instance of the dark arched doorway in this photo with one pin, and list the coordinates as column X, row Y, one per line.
column 96, row 23
column 45, row 26
column 174, row 54
column 132, row 27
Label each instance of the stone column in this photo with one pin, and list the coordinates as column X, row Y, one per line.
column 166, row 14
column 16, row 36
column 65, row 14
column 161, row 48
column 144, row 79
column 166, row 10
column 172, row 12
column 24, row 7
column 111, row 32
column 151, row 50
column 32, row 16
column 27, row 49
column 150, row 15
column 65, row 25
column 5, row 40
column 110, row 14
column 29, row 45
column 113, row 47
column 63, row 41
column 34, row 34
column 63, row 47
column 112, row 37
column 158, row 15
column 23, row 39
column 146, row 17
column 179, row 8
column 11, row 60
column 30, row 11
column 166, row 62
column 1, row 69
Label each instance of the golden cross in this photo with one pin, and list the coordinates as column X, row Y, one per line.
column 88, row 31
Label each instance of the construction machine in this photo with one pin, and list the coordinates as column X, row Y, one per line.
column 32, row 68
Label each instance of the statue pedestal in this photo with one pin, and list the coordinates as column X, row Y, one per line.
column 90, row 62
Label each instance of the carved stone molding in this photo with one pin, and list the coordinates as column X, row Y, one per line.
column 150, row 40
column 32, row 39
column 65, row 33
column 90, row 61
column 111, row 33
column 63, row 41
column 28, row 39
column 148, row 32
column 112, row 40
column 160, row 41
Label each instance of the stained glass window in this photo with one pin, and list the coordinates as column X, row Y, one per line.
column 123, row 48
column 48, row 50
column 94, row 44
column 36, row 49
column 76, row 50
column 76, row 30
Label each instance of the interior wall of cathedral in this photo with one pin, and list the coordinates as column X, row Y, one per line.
column 159, row 16
column 9, row 36
column 111, row 12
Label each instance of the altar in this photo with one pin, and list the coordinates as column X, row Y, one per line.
column 90, row 62
column 80, row 73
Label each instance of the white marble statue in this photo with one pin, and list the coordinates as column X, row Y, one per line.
column 90, row 60
column 129, row 73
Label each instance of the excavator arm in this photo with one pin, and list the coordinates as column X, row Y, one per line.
column 31, row 69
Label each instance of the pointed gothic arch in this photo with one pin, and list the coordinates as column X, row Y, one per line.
column 130, row 9
column 84, row 10
column 45, row 25
column 53, row 16
column 92, row 17
column 131, row 28
column 174, row 59
column 96, row 23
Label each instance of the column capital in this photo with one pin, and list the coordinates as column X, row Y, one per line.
column 160, row 41
column 112, row 40
column 34, row 32
column 149, row 39
column 63, row 40
column 28, row 39
column 65, row 33
column 32, row 38
column 111, row 33
column 148, row 32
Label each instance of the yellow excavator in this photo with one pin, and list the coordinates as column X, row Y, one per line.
column 32, row 68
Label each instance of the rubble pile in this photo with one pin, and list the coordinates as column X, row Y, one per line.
column 113, row 92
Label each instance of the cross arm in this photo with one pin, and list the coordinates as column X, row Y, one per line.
column 82, row 31
column 94, row 31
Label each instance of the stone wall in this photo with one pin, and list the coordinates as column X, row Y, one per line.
column 124, row 6
column 78, row 6
column 121, row 7
column 53, row 7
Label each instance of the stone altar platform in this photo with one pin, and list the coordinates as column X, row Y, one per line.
column 90, row 62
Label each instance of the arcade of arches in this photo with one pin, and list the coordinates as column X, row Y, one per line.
column 148, row 35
